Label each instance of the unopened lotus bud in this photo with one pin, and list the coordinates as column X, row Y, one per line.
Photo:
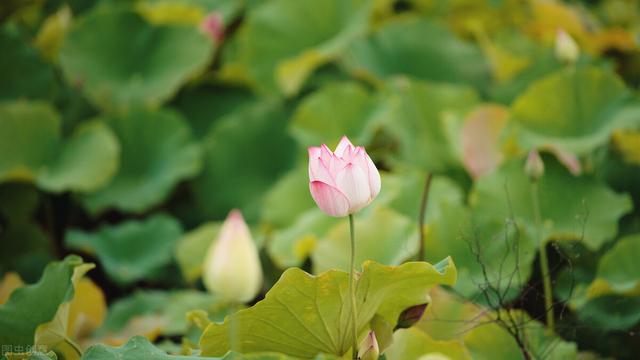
column 232, row 265
column 534, row 167
column 342, row 181
column 410, row 316
column 566, row 49
column 369, row 349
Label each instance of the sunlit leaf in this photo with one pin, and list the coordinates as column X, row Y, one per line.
column 412, row 344
column 32, row 149
column 36, row 304
column 574, row 109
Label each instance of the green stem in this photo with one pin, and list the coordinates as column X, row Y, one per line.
column 544, row 262
column 423, row 212
column 352, row 290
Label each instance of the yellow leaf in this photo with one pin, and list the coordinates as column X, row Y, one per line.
column 53, row 32
column 627, row 143
column 10, row 282
column 170, row 12
column 87, row 309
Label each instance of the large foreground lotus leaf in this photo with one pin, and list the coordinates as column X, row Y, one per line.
column 244, row 153
column 419, row 49
column 575, row 109
column 382, row 235
column 426, row 119
column 333, row 111
column 32, row 148
column 24, row 74
column 572, row 208
column 122, row 61
column 413, row 343
column 133, row 250
column 157, row 152
column 303, row 315
column 619, row 267
column 36, row 304
column 282, row 42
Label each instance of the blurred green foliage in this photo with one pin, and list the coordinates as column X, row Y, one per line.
column 129, row 129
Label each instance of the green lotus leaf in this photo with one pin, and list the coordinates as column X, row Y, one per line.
column 588, row 212
column 24, row 247
column 138, row 347
column 611, row 312
column 303, row 315
column 426, row 119
column 24, row 74
column 334, row 111
column 294, row 187
column 281, row 42
column 32, row 149
column 506, row 253
column 157, row 152
column 292, row 245
column 168, row 307
column 191, row 249
column 575, row 109
column 85, row 162
column 382, row 235
column 121, row 61
column 412, row 344
column 203, row 106
column 55, row 334
column 36, row 304
column 619, row 266
column 246, row 150
column 133, row 250
column 419, row 49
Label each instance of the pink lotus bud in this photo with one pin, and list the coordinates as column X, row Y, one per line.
column 534, row 167
column 344, row 181
column 232, row 265
column 369, row 349
column 566, row 49
column 213, row 26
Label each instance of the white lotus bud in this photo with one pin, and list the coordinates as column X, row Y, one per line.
column 567, row 50
column 232, row 265
column 369, row 349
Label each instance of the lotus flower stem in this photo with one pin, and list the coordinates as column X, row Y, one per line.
column 423, row 213
column 352, row 290
column 544, row 262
